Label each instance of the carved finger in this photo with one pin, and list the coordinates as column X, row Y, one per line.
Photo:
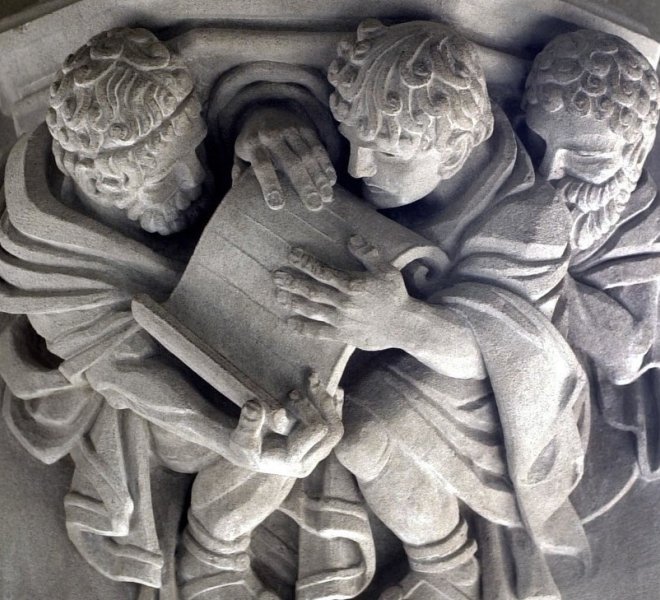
column 291, row 164
column 318, row 270
column 338, row 400
column 238, row 169
column 315, row 329
column 323, row 401
column 370, row 257
column 311, row 289
column 316, row 172
column 366, row 253
column 303, row 440
column 299, row 404
column 308, row 308
column 248, row 435
column 321, row 450
column 266, row 175
column 320, row 154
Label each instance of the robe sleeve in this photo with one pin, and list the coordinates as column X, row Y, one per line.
column 504, row 285
column 521, row 244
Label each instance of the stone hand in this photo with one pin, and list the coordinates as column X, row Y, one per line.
column 317, row 431
column 364, row 309
column 277, row 142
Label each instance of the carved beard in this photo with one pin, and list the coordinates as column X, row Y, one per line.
column 174, row 213
column 596, row 208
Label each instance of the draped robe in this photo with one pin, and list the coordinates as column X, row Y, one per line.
column 611, row 317
column 510, row 446
column 69, row 281
column 84, row 379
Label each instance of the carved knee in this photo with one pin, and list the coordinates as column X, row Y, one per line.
column 365, row 448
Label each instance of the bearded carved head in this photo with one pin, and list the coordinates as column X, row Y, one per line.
column 126, row 124
column 593, row 98
column 412, row 101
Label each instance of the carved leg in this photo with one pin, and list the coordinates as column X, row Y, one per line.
column 227, row 504
column 416, row 506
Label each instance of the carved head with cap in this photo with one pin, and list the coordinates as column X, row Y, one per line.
column 412, row 101
column 593, row 98
column 126, row 126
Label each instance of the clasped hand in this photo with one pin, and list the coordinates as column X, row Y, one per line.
column 317, row 431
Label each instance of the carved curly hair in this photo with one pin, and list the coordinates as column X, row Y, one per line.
column 597, row 75
column 120, row 108
column 412, row 83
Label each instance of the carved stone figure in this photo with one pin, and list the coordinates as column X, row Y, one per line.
column 427, row 427
column 316, row 324
column 101, row 388
column 593, row 99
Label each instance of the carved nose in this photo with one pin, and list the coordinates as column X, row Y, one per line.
column 361, row 162
column 553, row 165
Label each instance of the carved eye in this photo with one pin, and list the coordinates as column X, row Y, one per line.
column 386, row 155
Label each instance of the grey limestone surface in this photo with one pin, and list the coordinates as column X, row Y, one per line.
column 324, row 301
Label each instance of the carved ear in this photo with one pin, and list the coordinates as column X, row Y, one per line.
column 456, row 159
column 635, row 154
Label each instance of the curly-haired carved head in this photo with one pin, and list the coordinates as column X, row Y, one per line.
column 412, row 100
column 593, row 99
column 126, row 124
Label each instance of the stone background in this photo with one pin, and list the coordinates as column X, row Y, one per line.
column 625, row 542
column 645, row 11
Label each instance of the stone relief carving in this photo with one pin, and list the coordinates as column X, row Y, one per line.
column 335, row 334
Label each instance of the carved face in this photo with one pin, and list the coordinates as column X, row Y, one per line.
column 577, row 146
column 394, row 175
column 153, row 187
column 595, row 169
